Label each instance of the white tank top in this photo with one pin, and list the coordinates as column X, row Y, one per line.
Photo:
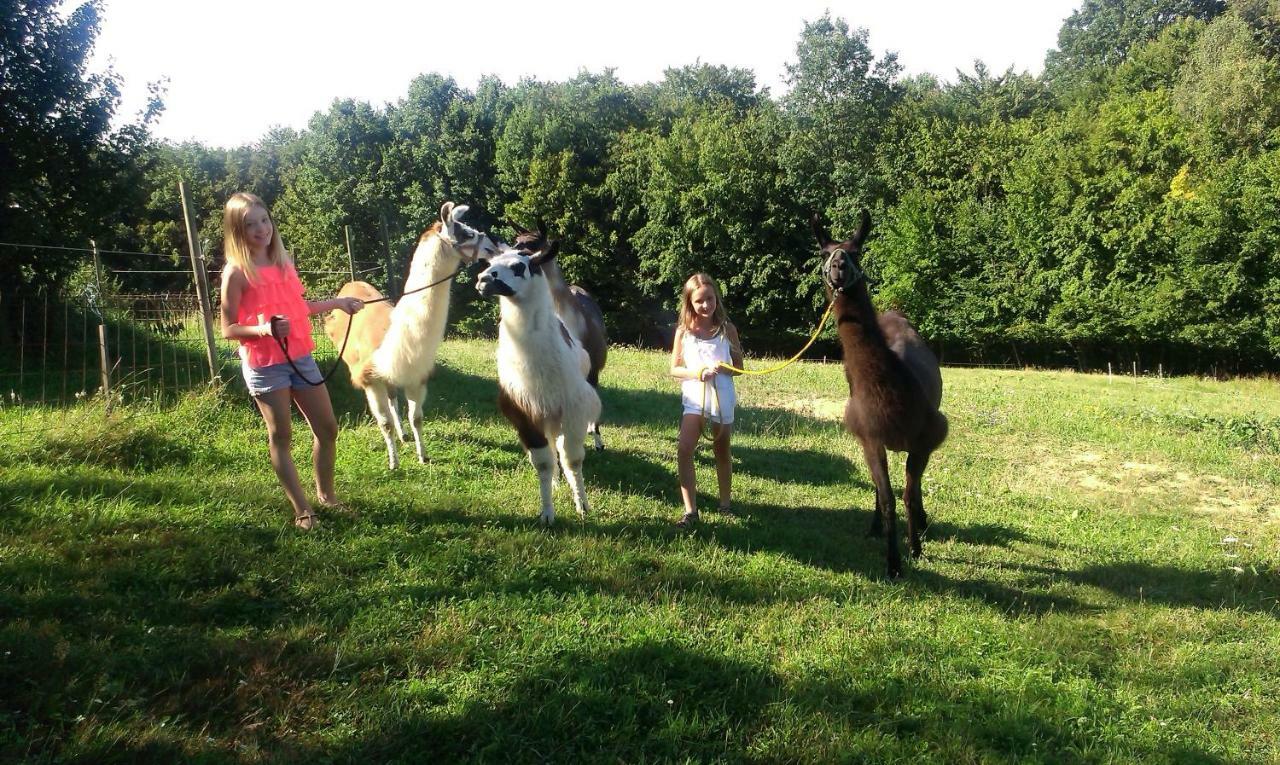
column 715, row 399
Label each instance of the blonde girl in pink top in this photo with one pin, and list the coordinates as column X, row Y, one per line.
column 259, row 282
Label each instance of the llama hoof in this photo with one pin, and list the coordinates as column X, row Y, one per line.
column 546, row 519
column 406, row 437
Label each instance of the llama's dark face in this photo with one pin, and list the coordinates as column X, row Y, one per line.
column 472, row 245
column 841, row 261
column 511, row 274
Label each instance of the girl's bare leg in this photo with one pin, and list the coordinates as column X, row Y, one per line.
column 318, row 409
column 690, row 432
column 276, row 411
column 724, row 464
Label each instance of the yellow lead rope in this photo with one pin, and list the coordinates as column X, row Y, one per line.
column 821, row 323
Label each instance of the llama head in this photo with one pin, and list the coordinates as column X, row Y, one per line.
column 841, row 261
column 514, row 273
column 472, row 245
column 533, row 241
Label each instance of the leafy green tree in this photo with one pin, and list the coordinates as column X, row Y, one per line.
column 64, row 173
column 840, row 95
column 699, row 87
column 717, row 201
column 1229, row 90
column 1098, row 36
column 338, row 182
column 553, row 158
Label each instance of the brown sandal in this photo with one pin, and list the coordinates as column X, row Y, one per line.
column 306, row 521
column 687, row 520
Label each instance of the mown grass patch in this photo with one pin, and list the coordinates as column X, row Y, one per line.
column 1099, row 584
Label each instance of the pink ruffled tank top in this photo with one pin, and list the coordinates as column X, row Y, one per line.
column 278, row 291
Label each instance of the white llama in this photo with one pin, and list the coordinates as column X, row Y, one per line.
column 575, row 307
column 542, row 373
column 393, row 348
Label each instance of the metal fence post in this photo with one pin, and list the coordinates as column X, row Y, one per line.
column 201, row 278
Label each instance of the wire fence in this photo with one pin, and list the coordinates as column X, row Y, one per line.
column 61, row 346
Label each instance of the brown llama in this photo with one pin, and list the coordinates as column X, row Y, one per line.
column 575, row 306
column 895, row 388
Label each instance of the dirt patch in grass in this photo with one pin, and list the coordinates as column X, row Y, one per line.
column 1091, row 471
column 819, row 408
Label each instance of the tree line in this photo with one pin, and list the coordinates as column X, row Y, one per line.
column 1121, row 206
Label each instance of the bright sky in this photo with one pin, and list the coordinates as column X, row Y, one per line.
column 237, row 69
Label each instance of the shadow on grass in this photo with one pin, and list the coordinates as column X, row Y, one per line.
column 657, row 699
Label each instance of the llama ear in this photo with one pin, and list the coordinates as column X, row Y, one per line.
column 445, row 210
column 517, row 227
column 820, row 231
column 542, row 225
column 459, row 211
column 864, row 227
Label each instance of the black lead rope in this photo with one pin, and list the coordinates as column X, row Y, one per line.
column 283, row 343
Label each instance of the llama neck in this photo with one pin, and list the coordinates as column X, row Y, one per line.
column 529, row 319
column 560, row 293
column 432, row 263
column 434, row 260
column 408, row 351
column 858, row 327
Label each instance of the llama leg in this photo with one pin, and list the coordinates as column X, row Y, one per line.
column 878, row 463
column 536, row 445
column 572, row 452
column 382, row 411
column 417, row 394
column 593, row 377
column 393, row 396
column 877, row 519
column 913, row 501
column 545, row 463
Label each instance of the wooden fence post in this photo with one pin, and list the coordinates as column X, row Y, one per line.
column 102, row 327
column 351, row 260
column 201, row 278
column 386, row 248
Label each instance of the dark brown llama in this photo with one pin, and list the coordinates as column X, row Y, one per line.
column 895, row 388
column 576, row 308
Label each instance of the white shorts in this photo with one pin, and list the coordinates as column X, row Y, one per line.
column 717, row 403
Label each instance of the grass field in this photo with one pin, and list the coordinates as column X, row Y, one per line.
column 1099, row 585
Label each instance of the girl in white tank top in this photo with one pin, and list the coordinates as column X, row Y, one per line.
column 705, row 340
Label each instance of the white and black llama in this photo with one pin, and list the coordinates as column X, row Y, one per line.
column 575, row 307
column 542, row 373
column 392, row 348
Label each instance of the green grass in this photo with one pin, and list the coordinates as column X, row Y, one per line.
column 1099, row 584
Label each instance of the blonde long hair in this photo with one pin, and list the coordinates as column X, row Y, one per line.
column 234, row 245
column 687, row 314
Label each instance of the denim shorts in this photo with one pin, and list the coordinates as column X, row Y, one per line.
column 262, row 380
